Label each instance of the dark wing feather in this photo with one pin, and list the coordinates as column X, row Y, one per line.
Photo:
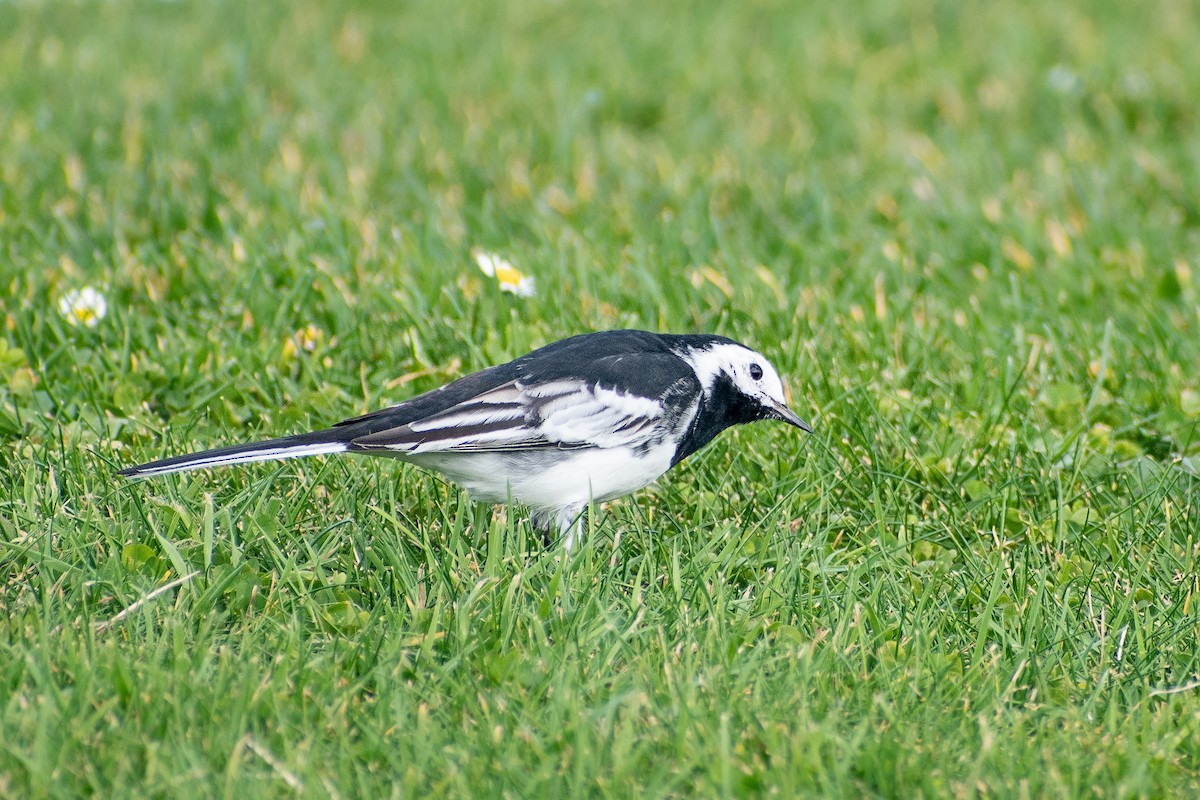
column 570, row 357
column 556, row 405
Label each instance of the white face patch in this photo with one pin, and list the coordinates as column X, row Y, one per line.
column 750, row 372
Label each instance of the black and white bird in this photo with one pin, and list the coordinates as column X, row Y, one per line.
column 589, row 418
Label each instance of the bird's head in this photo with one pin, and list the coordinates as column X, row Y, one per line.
column 726, row 367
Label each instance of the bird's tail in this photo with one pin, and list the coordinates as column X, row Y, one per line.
column 304, row 444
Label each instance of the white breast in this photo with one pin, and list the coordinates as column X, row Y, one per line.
column 551, row 479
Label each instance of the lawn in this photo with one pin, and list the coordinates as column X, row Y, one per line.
column 967, row 233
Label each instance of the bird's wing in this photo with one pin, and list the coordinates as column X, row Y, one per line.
column 562, row 413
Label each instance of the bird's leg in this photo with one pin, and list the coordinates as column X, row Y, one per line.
column 566, row 523
column 570, row 524
column 543, row 523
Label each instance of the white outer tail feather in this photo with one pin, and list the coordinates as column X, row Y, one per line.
column 276, row 453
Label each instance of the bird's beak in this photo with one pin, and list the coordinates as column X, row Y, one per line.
column 785, row 414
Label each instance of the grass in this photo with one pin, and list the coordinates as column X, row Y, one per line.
column 967, row 233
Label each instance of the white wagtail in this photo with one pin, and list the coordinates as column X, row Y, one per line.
column 590, row 418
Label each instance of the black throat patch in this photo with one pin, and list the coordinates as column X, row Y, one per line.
column 722, row 408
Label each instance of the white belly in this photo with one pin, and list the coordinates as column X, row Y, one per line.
column 550, row 479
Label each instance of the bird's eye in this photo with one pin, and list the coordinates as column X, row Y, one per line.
column 755, row 371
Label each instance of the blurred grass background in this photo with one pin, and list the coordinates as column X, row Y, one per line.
column 966, row 232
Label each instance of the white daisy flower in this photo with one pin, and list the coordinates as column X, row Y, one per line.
column 509, row 278
column 307, row 339
column 85, row 306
